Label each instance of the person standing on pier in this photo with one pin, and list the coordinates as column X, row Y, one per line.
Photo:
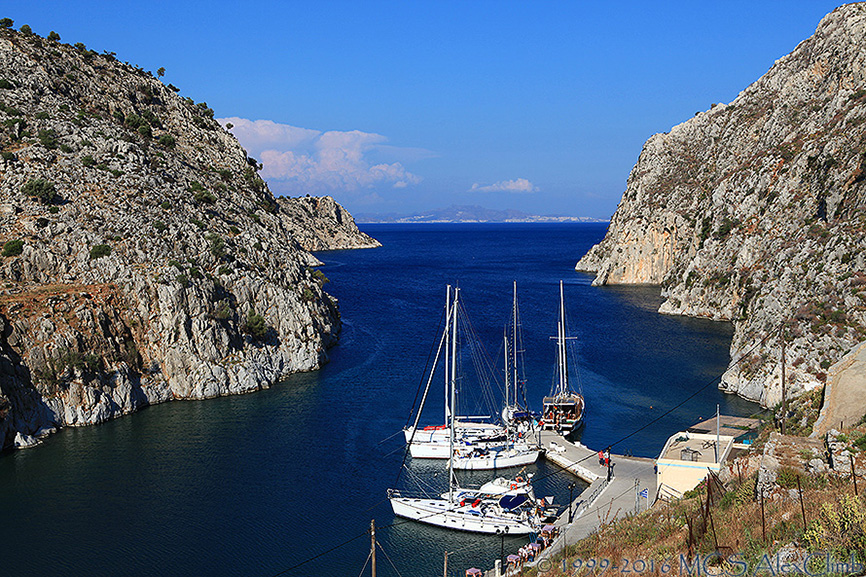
column 601, row 458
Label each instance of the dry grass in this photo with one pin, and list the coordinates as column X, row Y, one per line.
column 658, row 540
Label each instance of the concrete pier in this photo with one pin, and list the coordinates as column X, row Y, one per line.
column 602, row 501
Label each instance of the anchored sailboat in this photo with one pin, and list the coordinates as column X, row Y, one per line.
column 563, row 409
column 512, row 510
column 437, row 442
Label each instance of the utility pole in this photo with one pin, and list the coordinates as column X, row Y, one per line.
column 718, row 425
column 445, row 568
column 373, row 546
column 784, row 391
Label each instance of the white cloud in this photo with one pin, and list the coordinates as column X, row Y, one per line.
column 300, row 160
column 518, row 185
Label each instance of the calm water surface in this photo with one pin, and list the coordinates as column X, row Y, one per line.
column 255, row 484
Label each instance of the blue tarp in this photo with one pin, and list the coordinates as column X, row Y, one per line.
column 509, row 502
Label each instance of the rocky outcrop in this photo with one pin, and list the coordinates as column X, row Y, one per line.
column 322, row 224
column 143, row 258
column 755, row 212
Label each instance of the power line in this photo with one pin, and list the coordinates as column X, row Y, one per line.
column 560, row 468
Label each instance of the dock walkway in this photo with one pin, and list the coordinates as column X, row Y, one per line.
column 602, row 501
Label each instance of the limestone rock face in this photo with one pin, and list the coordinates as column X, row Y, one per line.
column 144, row 259
column 755, row 212
column 322, row 224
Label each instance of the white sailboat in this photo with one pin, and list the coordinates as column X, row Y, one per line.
column 515, row 414
column 512, row 510
column 435, row 442
column 563, row 409
column 520, row 447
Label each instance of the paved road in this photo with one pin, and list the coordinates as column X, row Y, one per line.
column 601, row 502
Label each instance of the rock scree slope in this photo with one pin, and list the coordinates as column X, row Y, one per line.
column 143, row 258
column 755, row 212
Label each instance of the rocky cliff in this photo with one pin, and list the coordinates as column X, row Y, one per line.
column 755, row 212
column 143, row 258
column 322, row 224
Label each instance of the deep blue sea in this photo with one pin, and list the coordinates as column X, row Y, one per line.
column 254, row 485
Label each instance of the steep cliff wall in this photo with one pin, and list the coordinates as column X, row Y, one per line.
column 755, row 212
column 143, row 257
column 322, row 224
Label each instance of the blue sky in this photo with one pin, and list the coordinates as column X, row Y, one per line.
column 409, row 106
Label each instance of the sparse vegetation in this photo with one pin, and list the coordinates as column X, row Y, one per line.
column 255, row 326
column 99, row 251
column 13, row 247
column 40, row 189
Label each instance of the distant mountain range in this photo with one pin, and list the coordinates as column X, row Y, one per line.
column 469, row 214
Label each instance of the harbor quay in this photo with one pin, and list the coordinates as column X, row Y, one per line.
column 603, row 501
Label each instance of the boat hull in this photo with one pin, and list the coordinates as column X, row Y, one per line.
column 496, row 460
column 452, row 516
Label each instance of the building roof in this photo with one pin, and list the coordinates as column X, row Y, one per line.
column 729, row 426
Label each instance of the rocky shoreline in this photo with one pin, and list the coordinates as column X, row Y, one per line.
column 754, row 212
column 143, row 258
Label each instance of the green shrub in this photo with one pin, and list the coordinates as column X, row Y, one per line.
column 159, row 225
column 167, row 140
column 9, row 156
column 48, row 138
column 42, row 115
column 307, row 295
column 6, row 85
column 786, row 478
column 87, row 160
column 204, row 197
column 26, row 30
column 6, row 23
column 234, row 230
column 195, row 273
column 217, row 245
column 66, row 148
column 165, row 205
column 134, row 121
column 13, row 247
column 223, row 310
column 53, row 209
column 727, row 226
column 225, row 174
column 201, row 225
column 258, row 245
column 54, row 36
column 145, row 131
column 183, row 280
column 40, row 189
column 225, row 270
column 195, row 186
column 255, row 326
column 99, row 251
column 115, row 172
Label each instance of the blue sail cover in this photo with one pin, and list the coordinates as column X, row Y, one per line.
column 509, row 502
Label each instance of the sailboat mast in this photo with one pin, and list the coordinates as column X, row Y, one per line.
column 451, row 478
column 507, row 384
column 447, row 368
column 563, row 381
column 514, row 343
